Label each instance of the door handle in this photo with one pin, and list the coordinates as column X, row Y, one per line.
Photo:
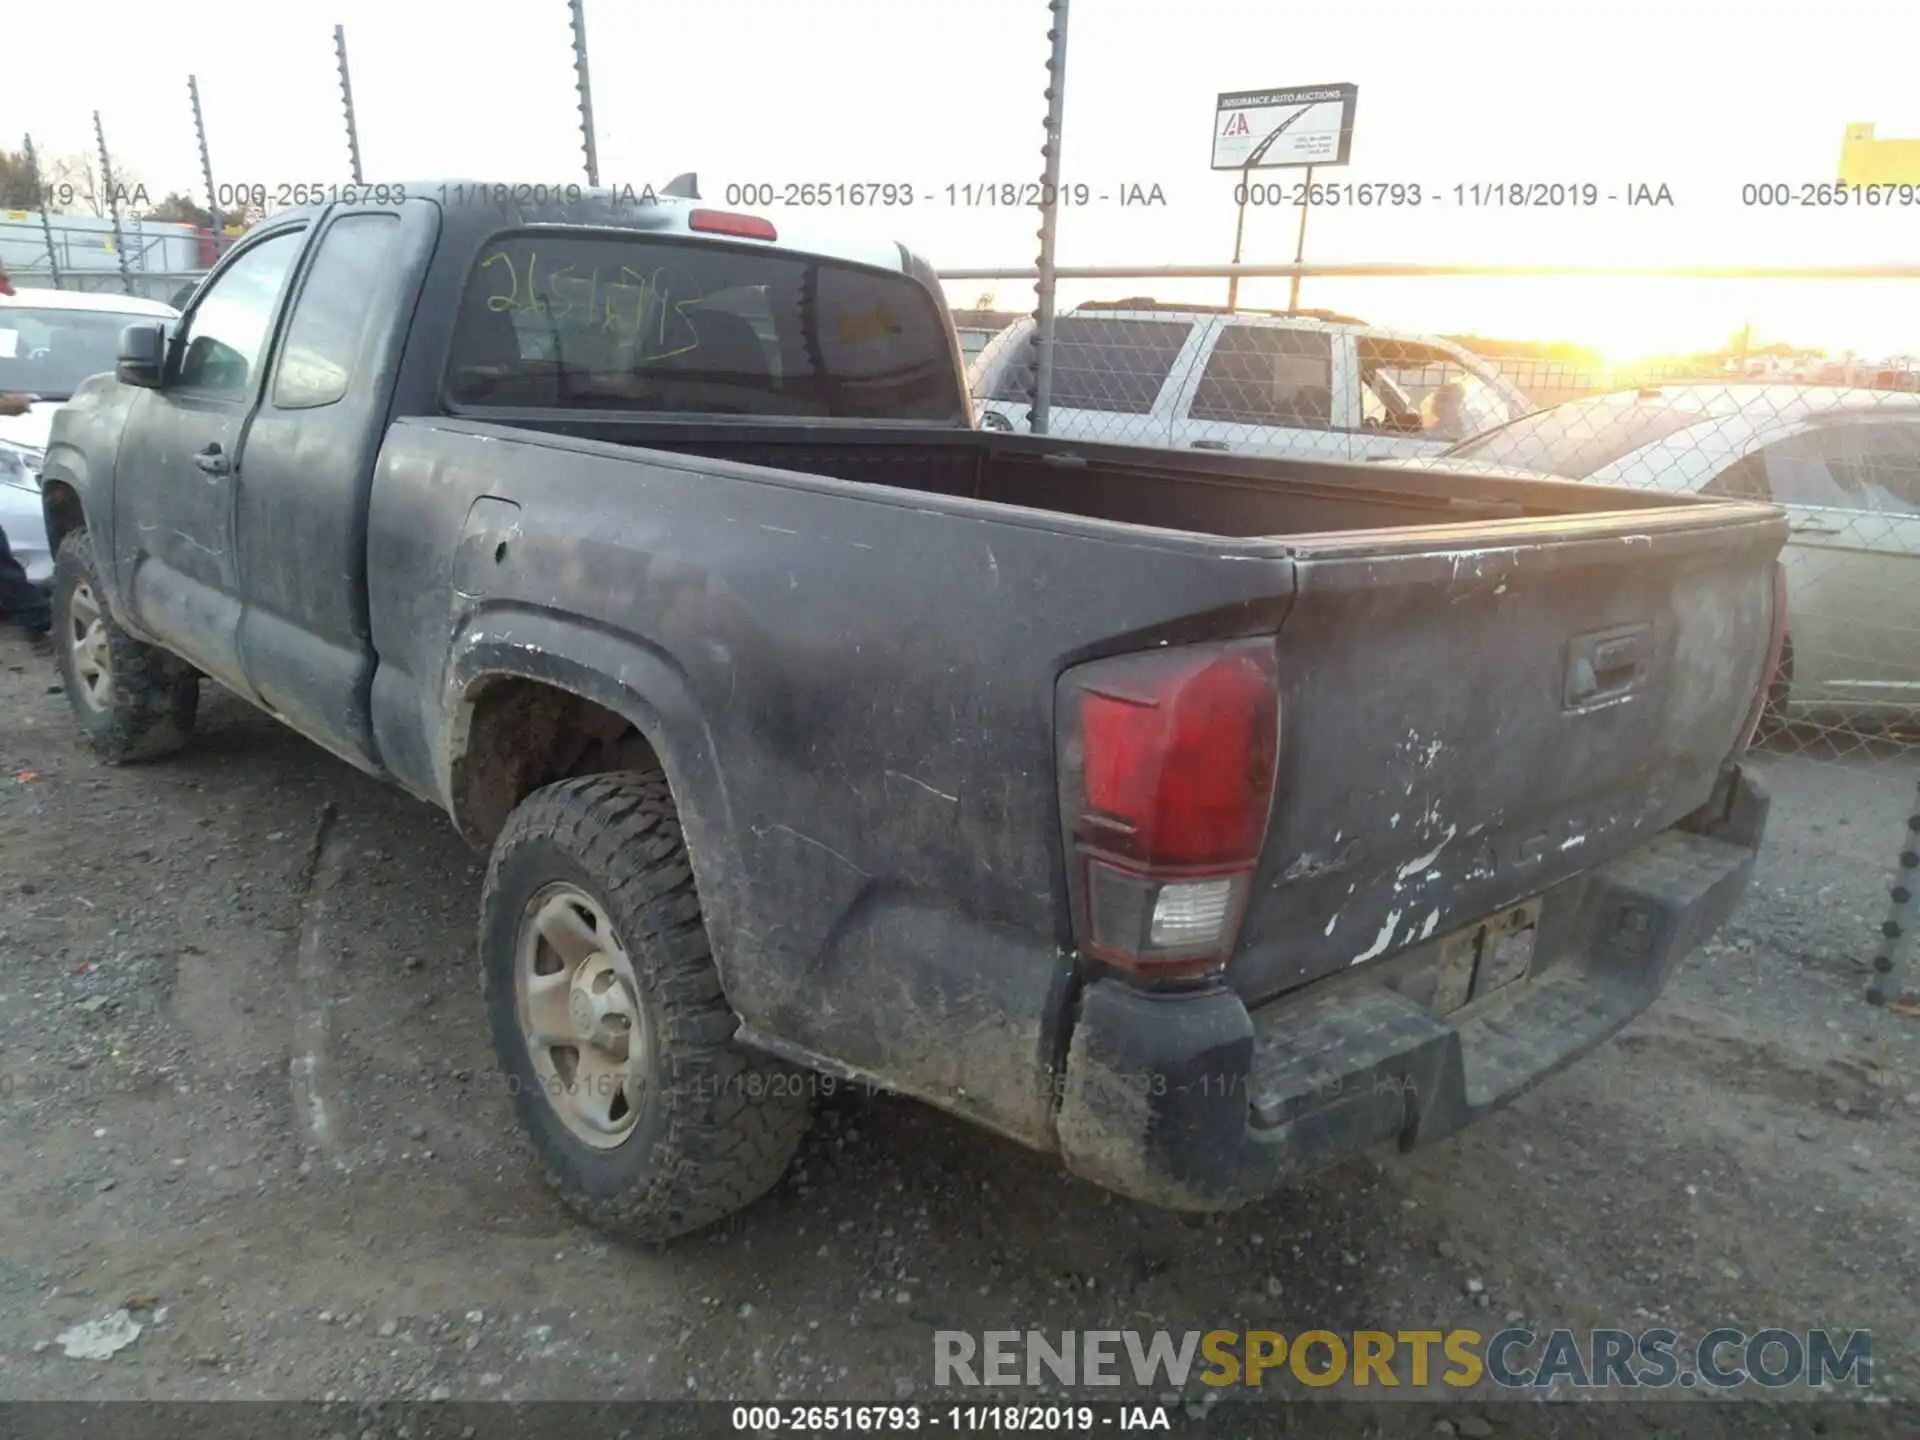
column 213, row 460
column 1211, row 445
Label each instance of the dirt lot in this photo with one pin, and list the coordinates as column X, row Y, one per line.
column 264, row 1109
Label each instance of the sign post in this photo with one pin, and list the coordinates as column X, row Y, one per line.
column 1278, row 129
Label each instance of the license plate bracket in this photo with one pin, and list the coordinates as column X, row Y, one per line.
column 1481, row 959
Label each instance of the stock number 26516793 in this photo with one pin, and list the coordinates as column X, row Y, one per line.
column 258, row 196
column 1380, row 194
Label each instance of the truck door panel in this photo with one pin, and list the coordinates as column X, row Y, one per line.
column 300, row 514
column 179, row 461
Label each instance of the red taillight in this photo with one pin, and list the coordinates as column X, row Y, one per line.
column 1775, row 649
column 725, row 222
column 1167, row 768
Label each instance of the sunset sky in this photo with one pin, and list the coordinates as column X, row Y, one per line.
column 1699, row 96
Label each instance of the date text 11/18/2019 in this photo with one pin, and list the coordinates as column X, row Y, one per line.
column 1038, row 1419
column 1477, row 195
column 966, row 195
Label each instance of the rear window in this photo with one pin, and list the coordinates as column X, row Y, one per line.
column 1578, row 438
column 1268, row 375
column 642, row 323
column 1111, row 365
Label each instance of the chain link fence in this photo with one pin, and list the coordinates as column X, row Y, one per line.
column 152, row 260
column 1837, row 445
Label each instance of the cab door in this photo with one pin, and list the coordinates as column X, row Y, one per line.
column 1401, row 383
column 300, row 512
column 1851, row 490
column 181, row 456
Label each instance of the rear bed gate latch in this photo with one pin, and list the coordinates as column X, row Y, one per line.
column 1606, row 665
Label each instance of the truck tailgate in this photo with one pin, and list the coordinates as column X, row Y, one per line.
column 1462, row 728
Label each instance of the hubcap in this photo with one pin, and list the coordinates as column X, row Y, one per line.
column 87, row 638
column 580, row 1012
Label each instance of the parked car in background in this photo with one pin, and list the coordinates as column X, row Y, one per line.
column 1304, row 382
column 50, row 340
column 977, row 327
column 973, row 339
column 1844, row 463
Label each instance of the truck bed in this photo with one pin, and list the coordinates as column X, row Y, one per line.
column 1436, row 762
column 1190, row 491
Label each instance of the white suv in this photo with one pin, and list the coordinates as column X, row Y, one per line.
column 1302, row 382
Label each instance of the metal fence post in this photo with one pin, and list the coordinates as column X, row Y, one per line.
column 1902, row 915
column 1049, row 222
column 579, row 18
column 113, row 204
column 40, row 202
column 206, row 157
column 346, row 97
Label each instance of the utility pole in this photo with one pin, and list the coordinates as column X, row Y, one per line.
column 1037, row 416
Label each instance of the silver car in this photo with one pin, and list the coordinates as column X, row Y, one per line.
column 1843, row 463
column 50, row 340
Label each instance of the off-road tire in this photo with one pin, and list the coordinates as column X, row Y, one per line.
column 154, row 697
column 720, row 1123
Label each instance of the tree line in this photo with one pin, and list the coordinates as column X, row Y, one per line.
column 73, row 185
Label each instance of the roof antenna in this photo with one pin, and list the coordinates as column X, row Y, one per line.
column 683, row 187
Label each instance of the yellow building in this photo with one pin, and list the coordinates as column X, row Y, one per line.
column 1867, row 161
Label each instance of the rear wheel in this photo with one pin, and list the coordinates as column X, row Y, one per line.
column 608, row 1018
column 133, row 701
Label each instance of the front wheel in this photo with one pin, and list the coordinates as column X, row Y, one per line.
column 133, row 701
column 608, row 1018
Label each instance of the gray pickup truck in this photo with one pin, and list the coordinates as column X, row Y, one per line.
column 1198, row 819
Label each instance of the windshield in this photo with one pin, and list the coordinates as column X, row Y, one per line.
column 1575, row 439
column 47, row 353
column 640, row 323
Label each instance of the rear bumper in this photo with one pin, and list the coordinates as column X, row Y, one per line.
column 1190, row 1102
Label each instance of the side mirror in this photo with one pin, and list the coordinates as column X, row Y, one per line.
column 142, row 359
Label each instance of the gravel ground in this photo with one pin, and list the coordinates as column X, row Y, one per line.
column 368, row 1226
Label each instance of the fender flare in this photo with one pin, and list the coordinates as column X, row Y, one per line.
column 632, row 679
